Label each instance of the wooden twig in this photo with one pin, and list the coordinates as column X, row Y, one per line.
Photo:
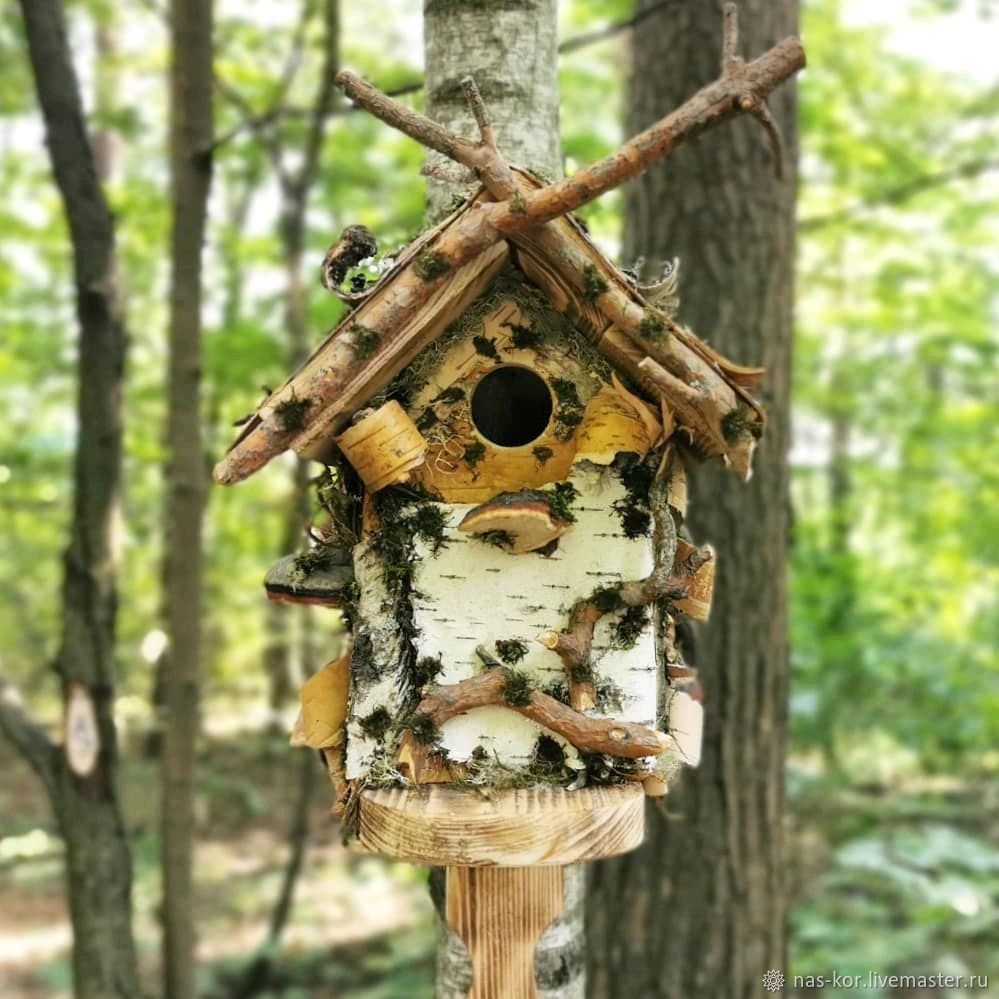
column 478, row 109
column 730, row 38
column 591, row 735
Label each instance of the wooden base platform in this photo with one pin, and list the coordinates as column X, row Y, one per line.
column 462, row 827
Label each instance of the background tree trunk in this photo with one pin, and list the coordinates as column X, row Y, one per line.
column 190, row 165
column 698, row 911
column 511, row 49
column 81, row 775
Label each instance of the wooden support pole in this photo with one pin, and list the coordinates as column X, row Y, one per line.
column 500, row 914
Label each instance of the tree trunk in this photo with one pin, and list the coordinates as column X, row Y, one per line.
column 81, row 775
column 511, row 50
column 698, row 911
column 190, row 165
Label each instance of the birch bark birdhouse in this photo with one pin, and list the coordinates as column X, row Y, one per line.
column 504, row 421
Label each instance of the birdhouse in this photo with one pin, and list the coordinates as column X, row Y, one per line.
column 505, row 486
column 504, row 420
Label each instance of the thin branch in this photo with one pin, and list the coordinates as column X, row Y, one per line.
column 479, row 113
column 589, row 734
column 27, row 736
column 616, row 28
column 730, row 37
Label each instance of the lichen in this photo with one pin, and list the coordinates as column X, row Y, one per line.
column 511, row 650
column 451, row 395
column 594, row 284
column 517, row 689
column 290, row 413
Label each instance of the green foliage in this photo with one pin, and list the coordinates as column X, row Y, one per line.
column 511, row 650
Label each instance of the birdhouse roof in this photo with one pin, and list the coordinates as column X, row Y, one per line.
column 362, row 354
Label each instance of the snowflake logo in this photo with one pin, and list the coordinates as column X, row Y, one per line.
column 773, row 980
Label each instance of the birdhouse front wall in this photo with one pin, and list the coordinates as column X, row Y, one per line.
column 472, row 594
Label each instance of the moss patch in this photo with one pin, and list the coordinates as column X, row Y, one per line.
column 427, row 670
column 498, row 539
column 511, row 650
column 594, row 284
column 517, row 689
column 365, row 341
column 542, row 454
column 629, row 627
column 652, row 326
column 430, row 265
column 738, row 423
column 424, row 729
column 560, row 499
column 570, row 408
column 547, row 760
column 486, row 347
column 377, row 724
column 290, row 413
column 607, row 599
column 637, row 478
column 474, row 453
column 524, row 337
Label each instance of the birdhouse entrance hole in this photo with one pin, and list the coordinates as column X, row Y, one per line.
column 511, row 406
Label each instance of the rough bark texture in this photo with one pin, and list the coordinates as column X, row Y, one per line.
column 510, row 47
column 190, row 165
column 85, row 799
column 714, row 869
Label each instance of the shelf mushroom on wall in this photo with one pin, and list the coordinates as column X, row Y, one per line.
column 506, row 421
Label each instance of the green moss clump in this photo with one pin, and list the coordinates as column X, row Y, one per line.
column 291, row 412
column 365, row 341
column 542, row 454
column 607, row 599
column 594, row 284
column 429, row 522
column 738, row 423
column 474, row 453
column 311, row 560
column 581, row 673
column 629, row 627
column 525, row 337
column 517, row 689
column 652, row 326
column 518, row 203
column 430, row 265
column 498, row 539
column 511, row 650
column 424, row 729
column 426, row 670
column 486, row 347
column 570, row 408
column 560, row 499
column 637, row 478
column 377, row 724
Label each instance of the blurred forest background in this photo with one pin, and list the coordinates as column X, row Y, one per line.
column 893, row 804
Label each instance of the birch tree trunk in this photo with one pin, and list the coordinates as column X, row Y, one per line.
column 190, row 166
column 81, row 775
column 511, row 49
column 698, row 911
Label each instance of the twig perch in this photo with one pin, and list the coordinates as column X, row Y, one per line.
column 591, row 735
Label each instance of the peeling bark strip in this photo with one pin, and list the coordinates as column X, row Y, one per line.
column 591, row 735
